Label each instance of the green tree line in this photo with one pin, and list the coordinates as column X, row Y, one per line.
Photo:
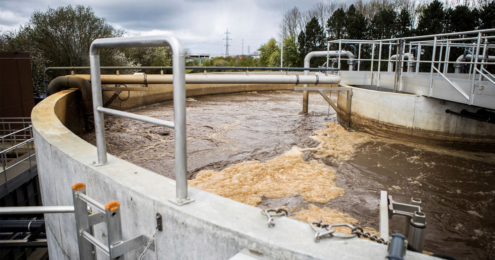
column 61, row 37
column 376, row 19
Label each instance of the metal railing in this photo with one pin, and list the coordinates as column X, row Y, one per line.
column 17, row 147
column 179, row 97
column 475, row 45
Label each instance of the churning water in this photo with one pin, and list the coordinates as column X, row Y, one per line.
column 257, row 148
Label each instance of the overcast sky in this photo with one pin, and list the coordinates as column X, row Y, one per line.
column 200, row 24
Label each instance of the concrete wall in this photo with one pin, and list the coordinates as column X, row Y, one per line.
column 388, row 113
column 212, row 227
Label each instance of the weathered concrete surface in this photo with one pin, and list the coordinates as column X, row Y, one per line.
column 414, row 116
column 213, row 227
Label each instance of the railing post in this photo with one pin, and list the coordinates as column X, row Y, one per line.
column 179, row 93
column 440, row 56
column 430, row 89
column 419, row 58
column 101, row 144
column 379, row 64
column 447, row 57
column 340, row 52
column 471, row 95
column 372, row 61
column 359, row 57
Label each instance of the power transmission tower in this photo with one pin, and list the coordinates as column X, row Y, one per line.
column 242, row 47
column 249, row 52
column 227, row 42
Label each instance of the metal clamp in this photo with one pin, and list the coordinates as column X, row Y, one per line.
column 326, row 230
column 271, row 213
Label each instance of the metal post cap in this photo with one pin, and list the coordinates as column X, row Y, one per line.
column 112, row 205
column 78, row 186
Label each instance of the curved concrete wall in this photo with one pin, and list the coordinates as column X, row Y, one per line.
column 212, row 227
column 390, row 113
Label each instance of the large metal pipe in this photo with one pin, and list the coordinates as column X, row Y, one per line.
column 218, row 79
column 470, row 57
column 179, row 84
column 66, row 82
column 307, row 64
column 410, row 59
column 21, row 225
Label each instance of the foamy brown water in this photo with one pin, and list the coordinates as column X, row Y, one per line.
column 238, row 138
column 285, row 175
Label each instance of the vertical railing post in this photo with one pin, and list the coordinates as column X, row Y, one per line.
column 440, row 57
column 340, row 52
column 359, row 57
column 372, row 61
column 485, row 58
column 471, row 96
column 430, row 88
column 419, row 58
column 101, row 144
column 389, row 64
column 447, row 57
column 379, row 64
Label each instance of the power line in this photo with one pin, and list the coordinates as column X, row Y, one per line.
column 227, row 42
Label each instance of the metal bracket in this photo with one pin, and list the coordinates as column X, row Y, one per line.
column 415, row 222
column 271, row 213
column 181, row 202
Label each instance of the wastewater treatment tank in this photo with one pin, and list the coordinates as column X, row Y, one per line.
column 250, row 148
column 258, row 149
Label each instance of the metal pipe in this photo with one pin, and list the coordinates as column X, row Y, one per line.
column 179, row 94
column 333, row 79
column 136, row 117
column 25, row 225
column 219, row 79
column 35, row 210
column 461, row 59
column 409, row 56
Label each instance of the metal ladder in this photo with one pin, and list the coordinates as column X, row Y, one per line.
column 110, row 214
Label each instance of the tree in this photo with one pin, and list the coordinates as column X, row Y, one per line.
column 404, row 25
column 431, row 19
column 312, row 39
column 336, row 24
column 149, row 56
column 62, row 37
column 383, row 24
column 315, row 40
column 270, row 54
column 486, row 16
column 461, row 18
column 292, row 58
column 356, row 24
